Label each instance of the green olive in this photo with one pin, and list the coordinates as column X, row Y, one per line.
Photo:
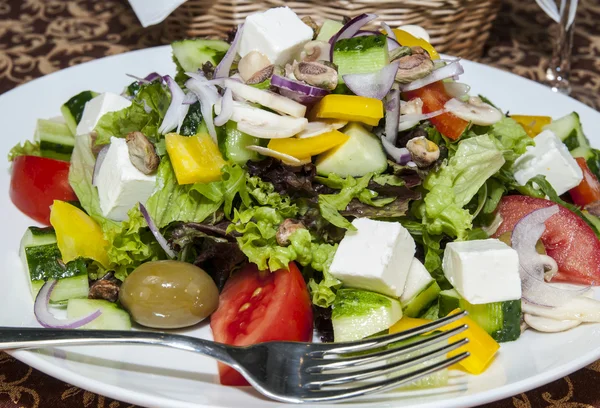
column 169, row 294
column 506, row 238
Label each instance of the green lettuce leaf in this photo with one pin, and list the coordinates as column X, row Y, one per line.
column 131, row 244
column 264, row 194
column 172, row 202
column 330, row 205
column 26, row 149
column 153, row 96
column 456, row 183
column 512, row 136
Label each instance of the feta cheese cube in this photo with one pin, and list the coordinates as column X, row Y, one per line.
column 376, row 257
column 97, row 107
column 483, row 271
column 418, row 278
column 278, row 33
column 551, row 158
column 120, row 184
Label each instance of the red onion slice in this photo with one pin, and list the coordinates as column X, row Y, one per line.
column 208, row 95
column 373, row 84
column 457, row 89
column 453, row 69
column 47, row 319
column 177, row 109
column 226, row 108
column 390, row 33
column 349, row 29
column 151, row 77
column 156, row 232
column 190, row 98
column 411, row 120
column 392, row 115
column 400, row 155
column 298, row 91
column 98, row 164
column 222, row 70
column 524, row 237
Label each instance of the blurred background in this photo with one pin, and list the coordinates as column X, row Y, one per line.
column 38, row 37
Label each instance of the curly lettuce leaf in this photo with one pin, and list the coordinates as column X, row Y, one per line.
column 512, row 136
column 172, row 202
column 330, row 205
column 26, row 149
column 145, row 114
column 456, row 183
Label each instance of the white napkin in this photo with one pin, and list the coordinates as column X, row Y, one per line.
column 151, row 12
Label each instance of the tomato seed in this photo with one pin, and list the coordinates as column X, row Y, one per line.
column 245, row 306
column 257, row 292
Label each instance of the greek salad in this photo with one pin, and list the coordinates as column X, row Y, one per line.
column 303, row 177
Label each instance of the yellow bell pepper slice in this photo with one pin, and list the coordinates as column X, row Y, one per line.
column 77, row 234
column 481, row 345
column 310, row 146
column 532, row 124
column 349, row 107
column 195, row 159
column 409, row 40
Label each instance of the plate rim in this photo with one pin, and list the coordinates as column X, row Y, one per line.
column 38, row 361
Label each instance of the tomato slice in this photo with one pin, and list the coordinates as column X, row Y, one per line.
column 588, row 191
column 434, row 97
column 567, row 239
column 36, row 182
column 255, row 307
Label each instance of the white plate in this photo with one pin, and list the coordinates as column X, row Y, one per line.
column 156, row 377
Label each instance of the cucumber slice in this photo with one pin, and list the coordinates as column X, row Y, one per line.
column 328, row 29
column 569, row 130
column 112, row 317
column 192, row 121
column 75, row 287
column 192, row 54
column 421, row 302
column 357, row 314
column 361, row 154
column 502, row 320
column 360, row 55
column 438, row 379
column 55, row 139
column 233, row 143
column 72, row 110
column 35, row 236
column 420, row 291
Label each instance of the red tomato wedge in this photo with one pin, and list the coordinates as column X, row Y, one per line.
column 434, row 97
column 255, row 307
column 36, row 182
column 588, row 191
column 567, row 239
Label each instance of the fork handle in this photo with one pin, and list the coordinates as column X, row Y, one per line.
column 29, row 338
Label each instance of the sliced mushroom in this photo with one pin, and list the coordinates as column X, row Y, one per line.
column 314, row 51
column 142, row 153
column 319, row 74
column 251, row 63
column 400, row 52
column 312, row 24
column 423, row 151
column 286, row 229
column 475, row 111
column 412, row 107
column 413, row 67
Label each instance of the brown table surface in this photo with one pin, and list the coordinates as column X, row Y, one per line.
column 38, row 37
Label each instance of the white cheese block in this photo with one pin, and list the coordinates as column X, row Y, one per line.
column 97, row 107
column 376, row 257
column 483, row 271
column 120, row 184
column 551, row 158
column 278, row 33
column 418, row 278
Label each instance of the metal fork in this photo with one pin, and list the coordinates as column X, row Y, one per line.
column 289, row 371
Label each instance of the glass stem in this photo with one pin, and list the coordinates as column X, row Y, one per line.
column 557, row 74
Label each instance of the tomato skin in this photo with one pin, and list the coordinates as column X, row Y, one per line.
column 588, row 191
column 567, row 239
column 281, row 310
column 434, row 97
column 36, row 182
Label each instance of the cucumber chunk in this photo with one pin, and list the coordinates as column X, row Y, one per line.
column 501, row 320
column 55, row 138
column 360, row 55
column 328, row 29
column 361, row 154
column 193, row 53
column 357, row 314
column 112, row 317
column 75, row 287
column 420, row 291
column 72, row 110
column 233, row 143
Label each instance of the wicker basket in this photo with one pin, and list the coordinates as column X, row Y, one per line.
column 457, row 27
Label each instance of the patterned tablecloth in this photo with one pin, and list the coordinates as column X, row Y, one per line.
column 38, row 37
